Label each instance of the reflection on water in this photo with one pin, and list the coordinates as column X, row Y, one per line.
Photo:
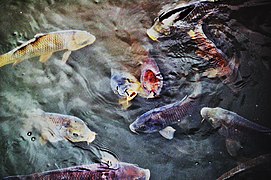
column 81, row 87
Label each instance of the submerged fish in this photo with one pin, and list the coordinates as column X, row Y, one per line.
column 174, row 18
column 55, row 127
column 160, row 119
column 231, row 125
column 151, row 79
column 92, row 171
column 227, row 70
column 44, row 45
column 125, row 85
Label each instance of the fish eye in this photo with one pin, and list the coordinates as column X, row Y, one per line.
column 75, row 134
column 142, row 127
column 133, row 94
column 212, row 120
column 156, row 124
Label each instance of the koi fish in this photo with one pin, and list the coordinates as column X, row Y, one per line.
column 93, row 171
column 55, row 127
column 160, row 119
column 44, row 45
column 227, row 70
column 264, row 159
column 231, row 125
column 151, row 78
column 125, row 85
column 175, row 18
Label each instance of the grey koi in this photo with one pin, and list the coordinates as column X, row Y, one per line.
column 160, row 119
column 231, row 125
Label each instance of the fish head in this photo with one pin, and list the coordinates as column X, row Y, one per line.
column 147, row 123
column 125, row 85
column 158, row 30
column 215, row 116
column 132, row 171
column 151, row 79
column 77, row 131
column 83, row 38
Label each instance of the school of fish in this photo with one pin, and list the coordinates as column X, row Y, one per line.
column 54, row 127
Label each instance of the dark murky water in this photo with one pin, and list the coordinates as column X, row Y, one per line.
column 82, row 86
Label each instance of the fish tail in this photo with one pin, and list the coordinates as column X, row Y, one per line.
column 232, row 76
column 6, row 59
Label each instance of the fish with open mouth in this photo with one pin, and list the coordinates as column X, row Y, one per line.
column 55, row 127
column 128, row 87
column 125, row 85
column 97, row 171
column 151, row 79
column 176, row 18
column 160, row 119
column 44, row 45
column 231, row 126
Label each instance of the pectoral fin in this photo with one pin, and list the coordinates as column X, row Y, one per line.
column 66, row 56
column 45, row 57
column 167, row 132
column 233, row 146
column 17, row 62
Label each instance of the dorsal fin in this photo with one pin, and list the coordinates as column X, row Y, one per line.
column 39, row 35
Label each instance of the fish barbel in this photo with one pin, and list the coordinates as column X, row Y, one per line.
column 55, row 127
column 44, row 45
column 95, row 171
column 174, row 18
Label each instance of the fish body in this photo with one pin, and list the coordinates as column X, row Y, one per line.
column 161, row 118
column 221, row 117
column 44, row 45
column 220, row 67
column 55, row 127
column 232, row 126
column 93, row 171
column 176, row 18
column 151, row 79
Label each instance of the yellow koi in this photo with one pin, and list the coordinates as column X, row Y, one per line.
column 44, row 45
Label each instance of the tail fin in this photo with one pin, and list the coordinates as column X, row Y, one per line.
column 233, row 79
column 5, row 59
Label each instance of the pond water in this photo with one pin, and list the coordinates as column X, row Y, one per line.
column 81, row 87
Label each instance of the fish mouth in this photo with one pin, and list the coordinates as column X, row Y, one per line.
column 204, row 112
column 147, row 174
column 132, row 128
column 152, row 34
column 91, row 137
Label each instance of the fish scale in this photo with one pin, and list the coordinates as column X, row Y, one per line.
column 176, row 113
column 44, row 45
